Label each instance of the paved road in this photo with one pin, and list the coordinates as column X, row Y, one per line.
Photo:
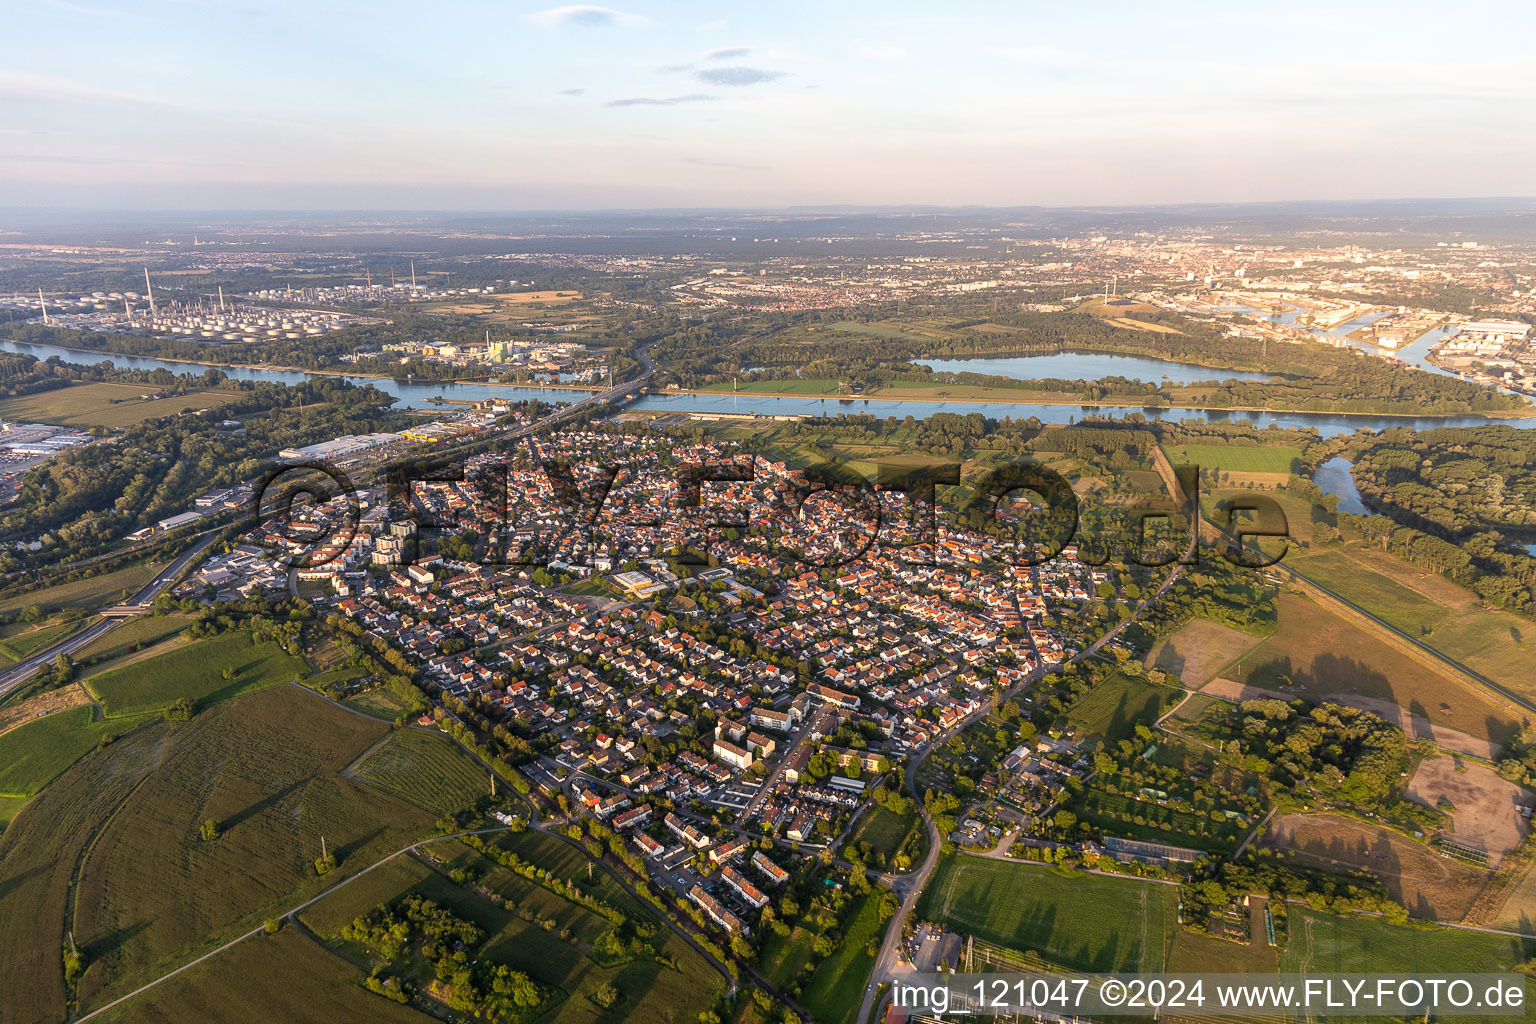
column 23, row 670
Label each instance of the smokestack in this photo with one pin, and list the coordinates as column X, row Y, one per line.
column 221, row 298
column 151, row 290
column 413, row 275
column 40, row 302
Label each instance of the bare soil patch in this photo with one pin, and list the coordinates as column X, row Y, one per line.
column 1428, row 884
column 1487, row 806
column 49, row 703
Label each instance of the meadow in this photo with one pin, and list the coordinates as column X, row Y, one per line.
column 1234, row 458
column 133, row 635
column 196, row 671
column 1200, row 649
column 426, row 769
column 884, row 831
column 237, row 985
column 150, row 893
column 1113, row 708
column 90, row 593
column 1326, row 944
column 1326, row 657
column 1085, row 922
column 20, row 640
column 107, row 405
column 837, row 988
column 33, row 755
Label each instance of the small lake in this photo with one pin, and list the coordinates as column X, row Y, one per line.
column 1087, row 366
column 1337, row 477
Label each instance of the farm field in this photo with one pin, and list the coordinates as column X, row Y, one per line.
column 107, row 405
column 1494, row 643
column 1326, row 944
column 1114, row 708
column 1198, row 651
column 787, row 386
column 196, row 671
column 1390, row 601
column 237, row 985
column 426, row 769
column 1300, row 514
column 1326, row 657
column 266, row 768
column 1429, row 885
column 1085, row 922
column 34, row 754
column 837, row 987
column 91, row 592
column 1234, row 458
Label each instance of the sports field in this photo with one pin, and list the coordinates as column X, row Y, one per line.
column 1326, row 944
column 1086, row 922
column 195, row 670
column 425, row 768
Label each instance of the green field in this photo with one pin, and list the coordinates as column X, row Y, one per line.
column 1324, row 944
column 238, row 985
column 1085, row 922
column 784, row 956
column 116, row 838
column 195, row 671
column 1114, row 707
column 427, row 769
column 650, row 990
column 92, row 592
column 1388, row 600
column 267, row 767
column 837, row 988
column 791, row 386
column 884, row 831
column 21, row 640
column 107, row 405
column 378, row 702
column 135, row 633
column 33, row 755
column 1234, row 458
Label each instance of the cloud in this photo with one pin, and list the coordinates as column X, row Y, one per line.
column 737, row 76
column 675, row 69
column 584, row 16
column 668, row 101
column 571, row 92
column 24, row 86
column 882, row 51
column 711, row 26
column 725, row 53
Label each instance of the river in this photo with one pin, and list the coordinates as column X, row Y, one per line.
column 416, row 395
column 1088, row 366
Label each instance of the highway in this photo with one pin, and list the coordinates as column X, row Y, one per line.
column 23, row 670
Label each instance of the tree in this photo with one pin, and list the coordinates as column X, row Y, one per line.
column 181, row 710
column 271, row 926
column 209, row 831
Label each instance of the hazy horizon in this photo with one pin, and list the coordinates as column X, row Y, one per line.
column 166, row 105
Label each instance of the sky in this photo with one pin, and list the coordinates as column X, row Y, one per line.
column 469, row 105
